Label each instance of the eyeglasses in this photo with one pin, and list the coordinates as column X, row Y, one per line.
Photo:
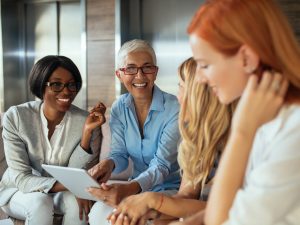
column 133, row 70
column 58, row 86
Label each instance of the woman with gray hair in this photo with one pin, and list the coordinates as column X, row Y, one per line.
column 144, row 127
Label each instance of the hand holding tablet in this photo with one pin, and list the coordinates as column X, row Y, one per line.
column 74, row 179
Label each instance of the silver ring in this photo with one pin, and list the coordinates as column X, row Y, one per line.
column 275, row 86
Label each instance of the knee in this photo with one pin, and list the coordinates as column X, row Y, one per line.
column 70, row 203
column 41, row 210
column 99, row 213
column 43, row 203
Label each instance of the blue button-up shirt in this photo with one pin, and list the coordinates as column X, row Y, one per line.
column 155, row 155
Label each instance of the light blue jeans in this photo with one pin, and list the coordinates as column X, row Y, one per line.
column 100, row 211
column 37, row 208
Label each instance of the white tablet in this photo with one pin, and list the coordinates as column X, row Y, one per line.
column 74, row 179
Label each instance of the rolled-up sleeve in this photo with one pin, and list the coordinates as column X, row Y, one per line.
column 80, row 158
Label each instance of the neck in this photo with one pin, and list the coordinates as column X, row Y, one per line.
column 142, row 104
column 53, row 117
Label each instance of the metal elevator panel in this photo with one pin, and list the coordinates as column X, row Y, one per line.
column 32, row 29
column 14, row 82
column 70, row 43
column 164, row 25
column 40, row 34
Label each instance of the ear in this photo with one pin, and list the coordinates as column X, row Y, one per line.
column 156, row 73
column 117, row 73
column 250, row 59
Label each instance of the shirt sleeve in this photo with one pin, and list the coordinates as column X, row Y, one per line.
column 272, row 189
column 80, row 158
column 118, row 152
column 20, row 171
column 164, row 158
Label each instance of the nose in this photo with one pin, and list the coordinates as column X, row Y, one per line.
column 140, row 73
column 66, row 90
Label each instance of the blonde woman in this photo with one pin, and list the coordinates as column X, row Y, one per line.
column 204, row 126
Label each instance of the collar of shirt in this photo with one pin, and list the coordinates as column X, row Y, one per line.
column 157, row 100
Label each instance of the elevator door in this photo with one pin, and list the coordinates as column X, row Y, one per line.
column 40, row 28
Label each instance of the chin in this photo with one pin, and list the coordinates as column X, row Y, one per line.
column 63, row 108
column 225, row 99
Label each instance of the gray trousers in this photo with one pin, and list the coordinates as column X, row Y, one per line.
column 38, row 208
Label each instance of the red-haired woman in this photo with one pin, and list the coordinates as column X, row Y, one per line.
column 247, row 49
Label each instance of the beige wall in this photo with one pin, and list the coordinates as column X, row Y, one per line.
column 100, row 51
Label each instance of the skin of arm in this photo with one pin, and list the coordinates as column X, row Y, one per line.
column 115, row 193
column 183, row 204
column 95, row 119
column 196, row 219
column 186, row 193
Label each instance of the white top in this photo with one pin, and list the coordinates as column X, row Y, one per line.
column 53, row 148
column 271, row 192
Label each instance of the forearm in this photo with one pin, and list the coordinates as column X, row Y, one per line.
column 86, row 139
column 187, row 190
column 175, row 206
column 229, row 178
column 133, row 188
column 57, row 187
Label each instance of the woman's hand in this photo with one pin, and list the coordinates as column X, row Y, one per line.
column 259, row 103
column 113, row 194
column 196, row 219
column 123, row 219
column 95, row 119
column 84, row 208
column 135, row 207
column 57, row 187
column 102, row 171
column 120, row 220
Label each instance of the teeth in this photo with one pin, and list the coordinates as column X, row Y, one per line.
column 140, row 85
column 64, row 99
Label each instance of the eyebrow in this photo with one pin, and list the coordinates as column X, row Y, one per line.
column 132, row 64
column 200, row 60
column 53, row 79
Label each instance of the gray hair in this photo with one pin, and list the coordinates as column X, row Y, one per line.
column 135, row 45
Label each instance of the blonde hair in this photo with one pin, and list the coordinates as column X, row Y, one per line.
column 204, row 125
column 225, row 24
